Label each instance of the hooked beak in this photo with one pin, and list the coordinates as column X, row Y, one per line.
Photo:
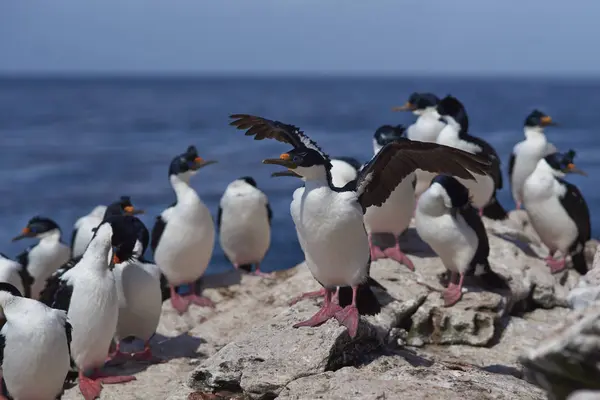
column 286, row 173
column 130, row 210
column 547, row 121
column 408, row 106
column 571, row 169
column 26, row 233
column 201, row 163
column 284, row 160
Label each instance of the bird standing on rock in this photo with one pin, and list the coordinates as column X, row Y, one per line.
column 446, row 221
column 43, row 259
column 244, row 221
column 527, row 153
column 329, row 220
column 34, row 347
column 394, row 215
column 183, row 235
column 557, row 210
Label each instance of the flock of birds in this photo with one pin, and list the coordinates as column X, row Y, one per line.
column 66, row 310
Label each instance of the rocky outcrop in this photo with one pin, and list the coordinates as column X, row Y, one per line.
column 246, row 348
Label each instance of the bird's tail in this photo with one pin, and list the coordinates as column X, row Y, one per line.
column 366, row 301
column 579, row 263
column 494, row 209
column 246, row 267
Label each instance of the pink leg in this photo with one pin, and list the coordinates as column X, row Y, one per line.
column 200, row 300
column 146, row 355
column 307, row 295
column 89, row 388
column 454, row 292
column 376, row 252
column 118, row 357
column 336, row 297
column 481, row 212
column 327, row 311
column 396, row 254
column 518, row 205
column 556, row 266
column 102, row 377
column 258, row 272
column 349, row 315
column 179, row 303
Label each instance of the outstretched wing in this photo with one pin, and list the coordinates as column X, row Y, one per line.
column 395, row 161
column 262, row 128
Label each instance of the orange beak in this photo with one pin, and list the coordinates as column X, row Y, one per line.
column 116, row 259
column 408, row 106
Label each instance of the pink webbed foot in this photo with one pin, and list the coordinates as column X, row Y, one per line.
column 556, row 266
column 179, row 303
column 147, row 356
column 308, row 295
column 89, row 388
column 396, row 254
column 348, row 317
column 102, row 377
column 327, row 311
column 452, row 294
column 376, row 252
column 201, row 301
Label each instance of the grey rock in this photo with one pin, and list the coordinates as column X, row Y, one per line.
column 587, row 290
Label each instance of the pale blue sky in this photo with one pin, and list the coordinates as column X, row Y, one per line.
column 345, row 36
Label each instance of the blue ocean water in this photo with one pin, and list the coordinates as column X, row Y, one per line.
column 70, row 144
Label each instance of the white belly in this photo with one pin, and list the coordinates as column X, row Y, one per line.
column 395, row 214
column 331, row 231
column 38, row 363
column 93, row 313
column 552, row 223
column 449, row 238
column 140, row 300
column 481, row 189
column 245, row 234
column 186, row 246
column 43, row 262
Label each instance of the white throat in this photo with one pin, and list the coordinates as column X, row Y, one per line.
column 316, row 175
column 181, row 186
column 52, row 235
column 543, row 168
column 534, row 132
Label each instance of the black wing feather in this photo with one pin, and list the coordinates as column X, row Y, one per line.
column 396, row 160
column 69, row 333
column 26, row 279
column 73, row 236
column 158, row 229
column 2, row 345
column 269, row 213
column 577, row 209
column 489, row 152
column 219, row 215
column 57, row 293
column 262, row 128
column 511, row 166
column 471, row 217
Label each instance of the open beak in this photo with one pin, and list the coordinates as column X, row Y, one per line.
column 130, row 210
column 547, row 121
column 408, row 106
column 26, row 233
column 201, row 163
column 284, row 160
column 572, row 169
column 286, row 173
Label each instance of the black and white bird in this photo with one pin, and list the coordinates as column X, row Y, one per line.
column 34, row 347
column 14, row 273
column 393, row 216
column 244, row 222
column 88, row 293
column 183, row 235
column 329, row 220
column 527, row 153
column 456, row 134
column 343, row 170
column 425, row 129
column 451, row 226
column 557, row 210
column 83, row 230
column 44, row 258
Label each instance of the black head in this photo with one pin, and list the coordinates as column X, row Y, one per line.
column 419, row 101
column 564, row 162
column 249, row 180
column 188, row 162
column 302, row 157
column 387, row 134
column 457, row 192
column 123, row 206
column 450, row 107
column 37, row 226
column 7, row 287
column 538, row 119
column 124, row 235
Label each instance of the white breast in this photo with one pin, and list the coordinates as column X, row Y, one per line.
column 548, row 217
column 9, row 273
column 331, row 232
column 140, row 299
column 186, row 245
column 425, row 129
column 527, row 154
column 342, row 173
column 44, row 260
column 93, row 313
column 395, row 214
column 36, row 355
column 244, row 233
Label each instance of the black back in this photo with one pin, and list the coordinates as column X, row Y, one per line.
column 577, row 209
column 57, row 293
column 511, row 166
column 158, row 229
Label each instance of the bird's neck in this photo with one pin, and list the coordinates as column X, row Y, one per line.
column 6, row 300
column 534, row 133
column 316, row 176
column 183, row 191
column 97, row 252
column 52, row 236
